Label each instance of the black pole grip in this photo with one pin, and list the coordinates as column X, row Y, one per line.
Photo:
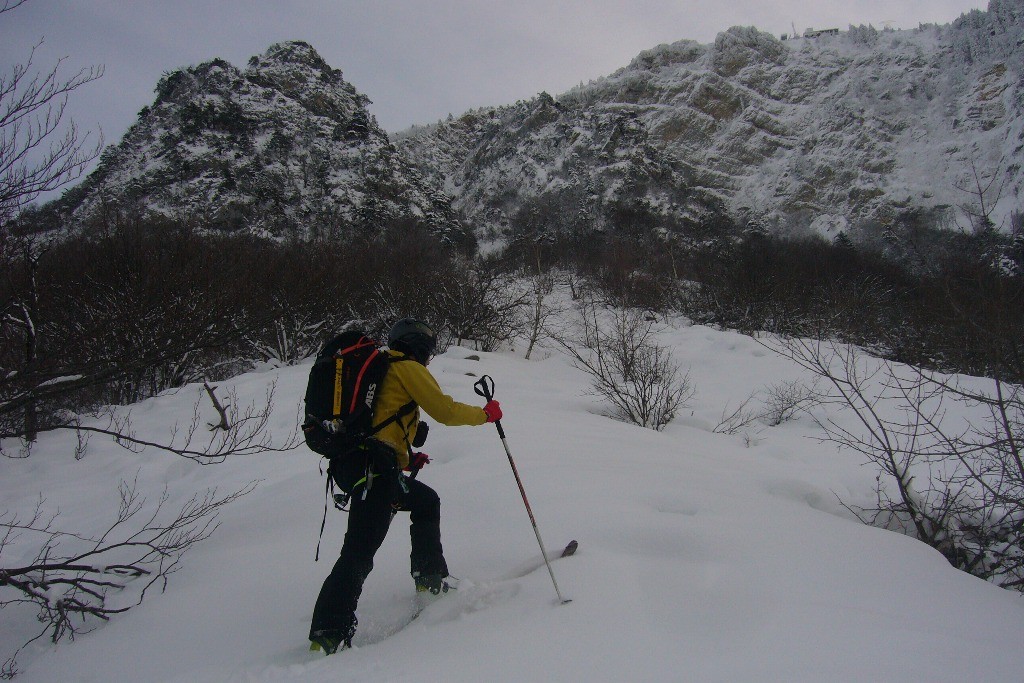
column 485, row 387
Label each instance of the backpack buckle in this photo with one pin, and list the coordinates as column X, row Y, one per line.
column 335, row 426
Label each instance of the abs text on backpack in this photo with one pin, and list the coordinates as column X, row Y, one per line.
column 341, row 394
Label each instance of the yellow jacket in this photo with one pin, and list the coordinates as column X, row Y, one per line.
column 406, row 381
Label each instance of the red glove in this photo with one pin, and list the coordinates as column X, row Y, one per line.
column 493, row 410
column 417, row 461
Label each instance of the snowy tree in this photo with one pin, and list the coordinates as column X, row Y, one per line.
column 40, row 149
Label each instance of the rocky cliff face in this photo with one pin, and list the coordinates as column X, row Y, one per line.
column 822, row 133
column 283, row 147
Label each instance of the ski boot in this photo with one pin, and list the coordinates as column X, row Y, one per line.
column 435, row 584
column 328, row 642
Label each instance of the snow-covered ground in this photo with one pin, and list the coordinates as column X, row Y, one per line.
column 703, row 556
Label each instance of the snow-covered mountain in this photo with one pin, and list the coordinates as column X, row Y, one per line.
column 829, row 132
column 826, row 130
column 286, row 145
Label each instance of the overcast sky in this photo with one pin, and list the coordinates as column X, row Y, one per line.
column 418, row 60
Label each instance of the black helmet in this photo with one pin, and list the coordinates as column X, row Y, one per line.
column 413, row 337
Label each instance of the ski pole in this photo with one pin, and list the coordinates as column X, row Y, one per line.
column 485, row 387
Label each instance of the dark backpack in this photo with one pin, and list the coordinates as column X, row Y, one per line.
column 342, row 393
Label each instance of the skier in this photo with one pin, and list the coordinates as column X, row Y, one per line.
column 380, row 489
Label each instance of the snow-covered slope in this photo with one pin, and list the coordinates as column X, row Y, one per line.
column 861, row 126
column 703, row 556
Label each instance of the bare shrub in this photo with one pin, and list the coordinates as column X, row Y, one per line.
column 482, row 305
column 293, row 335
column 779, row 403
column 638, row 377
column 785, row 400
column 540, row 312
column 954, row 482
column 740, row 418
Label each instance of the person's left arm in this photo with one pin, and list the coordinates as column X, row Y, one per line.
column 427, row 393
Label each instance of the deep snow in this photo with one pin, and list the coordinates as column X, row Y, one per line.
column 703, row 556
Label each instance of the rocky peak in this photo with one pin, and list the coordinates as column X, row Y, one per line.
column 285, row 147
column 740, row 47
column 294, row 52
column 297, row 71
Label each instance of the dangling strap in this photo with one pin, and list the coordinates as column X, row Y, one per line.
column 327, row 493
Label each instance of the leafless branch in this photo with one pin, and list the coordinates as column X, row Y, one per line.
column 248, row 432
column 739, row 419
column 77, row 580
column 32, row 115
column 954, row 482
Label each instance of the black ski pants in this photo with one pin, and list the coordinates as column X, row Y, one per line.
column 368, row 522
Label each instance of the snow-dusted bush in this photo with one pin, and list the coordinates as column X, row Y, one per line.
column 637, row 376
column 785, row 400
column 949, row 453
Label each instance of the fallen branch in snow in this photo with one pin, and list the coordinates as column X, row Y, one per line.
column 76, row 581
column 224, row 423
column 247, row 432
